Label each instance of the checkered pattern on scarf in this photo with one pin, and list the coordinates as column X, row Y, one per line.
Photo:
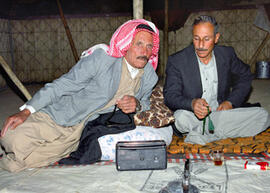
column 122, row 38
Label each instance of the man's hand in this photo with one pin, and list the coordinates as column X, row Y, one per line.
column 226, row 105
column 127, row 104
column 200, row 108
column 13, row 121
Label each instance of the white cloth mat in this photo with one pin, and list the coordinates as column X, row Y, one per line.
column 105, row 178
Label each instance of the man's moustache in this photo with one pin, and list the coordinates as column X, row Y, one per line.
column 143, row 58
column 201, row 49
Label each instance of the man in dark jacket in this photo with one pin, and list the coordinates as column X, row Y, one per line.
column 204, row 78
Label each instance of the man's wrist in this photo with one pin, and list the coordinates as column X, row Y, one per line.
column 230, row 103
column 192, row 104
column 26, row 112
column 29, row 107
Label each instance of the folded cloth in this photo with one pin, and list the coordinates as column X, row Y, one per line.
column 141, row 133
column 89, row 149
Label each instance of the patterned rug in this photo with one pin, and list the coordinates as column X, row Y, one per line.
column 257, row 144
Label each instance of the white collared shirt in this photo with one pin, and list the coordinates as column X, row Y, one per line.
column 133, row 71
column 209, row 81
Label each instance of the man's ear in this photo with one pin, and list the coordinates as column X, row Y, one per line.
column 217, row 37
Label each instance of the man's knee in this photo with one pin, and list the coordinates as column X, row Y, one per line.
column 14, row 139
column 185, row 120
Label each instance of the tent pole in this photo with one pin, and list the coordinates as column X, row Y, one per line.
column 72, row 45
column 137, row 9
column 165, row 41
column 14, row 78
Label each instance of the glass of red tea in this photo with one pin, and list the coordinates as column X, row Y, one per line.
column 217, row 156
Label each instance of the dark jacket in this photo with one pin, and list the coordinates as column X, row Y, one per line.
column 183, row 80
column 89, row 151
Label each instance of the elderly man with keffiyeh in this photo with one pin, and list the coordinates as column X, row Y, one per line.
column 49, row 126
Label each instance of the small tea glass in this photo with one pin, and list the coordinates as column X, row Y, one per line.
column 217, row 156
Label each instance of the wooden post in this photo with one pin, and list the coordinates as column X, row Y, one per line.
column 14, row 78
column 72, row 45
column 165, row 41
column 137, row 9
column 258, row 51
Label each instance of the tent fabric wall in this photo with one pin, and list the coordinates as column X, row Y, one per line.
column 42, row 53
column 5, row 50
column 41, row 49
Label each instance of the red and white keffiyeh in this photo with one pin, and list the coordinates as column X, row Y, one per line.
column 122, row 38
